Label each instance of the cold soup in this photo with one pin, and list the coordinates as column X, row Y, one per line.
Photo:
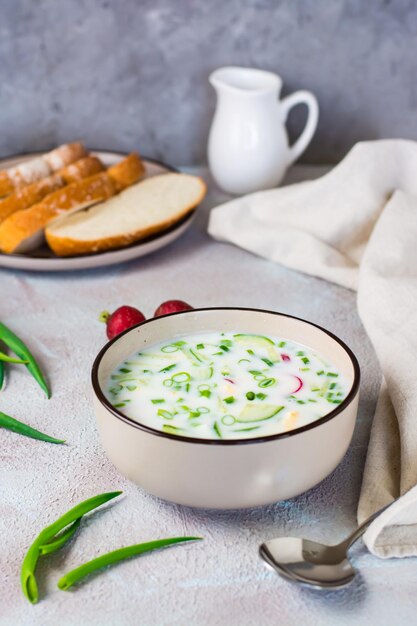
column 226, row 386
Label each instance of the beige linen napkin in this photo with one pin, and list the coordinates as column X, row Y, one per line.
column 357, row 226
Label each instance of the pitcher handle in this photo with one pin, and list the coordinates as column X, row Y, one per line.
column 301, row 97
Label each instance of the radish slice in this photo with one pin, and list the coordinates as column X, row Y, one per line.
column 300, row 384
column 229, row 380
column 285, row 357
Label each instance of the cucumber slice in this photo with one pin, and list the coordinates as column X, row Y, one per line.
column 257, row 412
column 201, row 373
column 261, row 339
column 262, row 345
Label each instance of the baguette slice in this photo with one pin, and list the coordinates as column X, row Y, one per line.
column 25, row 197
column 142, row 210
column 127, row 171
column 35, row 169
column 64, row 155
column 22, row 231
column 87, row 166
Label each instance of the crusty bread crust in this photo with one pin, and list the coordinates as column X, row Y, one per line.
column 25, row 197
column 40, row 167
column 64, row 155
column 26, row 173
column 62, row 159
column 65, row 246
column 24, row 224
column 128, row 171
column 6, row 184
column 87, row 166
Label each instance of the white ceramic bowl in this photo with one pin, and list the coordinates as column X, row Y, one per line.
column 227, row 473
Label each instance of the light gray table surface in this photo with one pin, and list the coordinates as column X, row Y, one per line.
column 221, row 580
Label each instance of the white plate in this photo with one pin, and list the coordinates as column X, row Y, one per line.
column 44, row 260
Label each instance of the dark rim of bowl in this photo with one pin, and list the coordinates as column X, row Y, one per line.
column 226, row 442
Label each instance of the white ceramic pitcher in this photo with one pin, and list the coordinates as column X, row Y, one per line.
column 248, row 147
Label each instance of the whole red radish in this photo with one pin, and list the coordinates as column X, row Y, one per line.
column 172, row 306
column 124, row 317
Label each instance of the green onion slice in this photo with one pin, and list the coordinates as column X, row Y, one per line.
column 170, row 348
column 168, row 367
column 228, row 420
column 268, row 382
column 181, row 377
column 169, row 428
column 217, row 430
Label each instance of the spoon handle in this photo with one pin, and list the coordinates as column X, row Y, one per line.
column 359, row 531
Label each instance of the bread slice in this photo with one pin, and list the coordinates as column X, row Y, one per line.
column 142, row 210
column 87, row 166
column 24, row 174
column 127, row 171
column 40, row 167
column 64, row 155
column 25, row 197
column 22, row 231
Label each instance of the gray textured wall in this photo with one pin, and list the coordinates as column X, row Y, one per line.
column 133, row 74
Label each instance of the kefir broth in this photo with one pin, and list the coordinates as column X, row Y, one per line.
column 226, row 386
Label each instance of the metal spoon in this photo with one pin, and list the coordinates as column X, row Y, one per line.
column 311, row 563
